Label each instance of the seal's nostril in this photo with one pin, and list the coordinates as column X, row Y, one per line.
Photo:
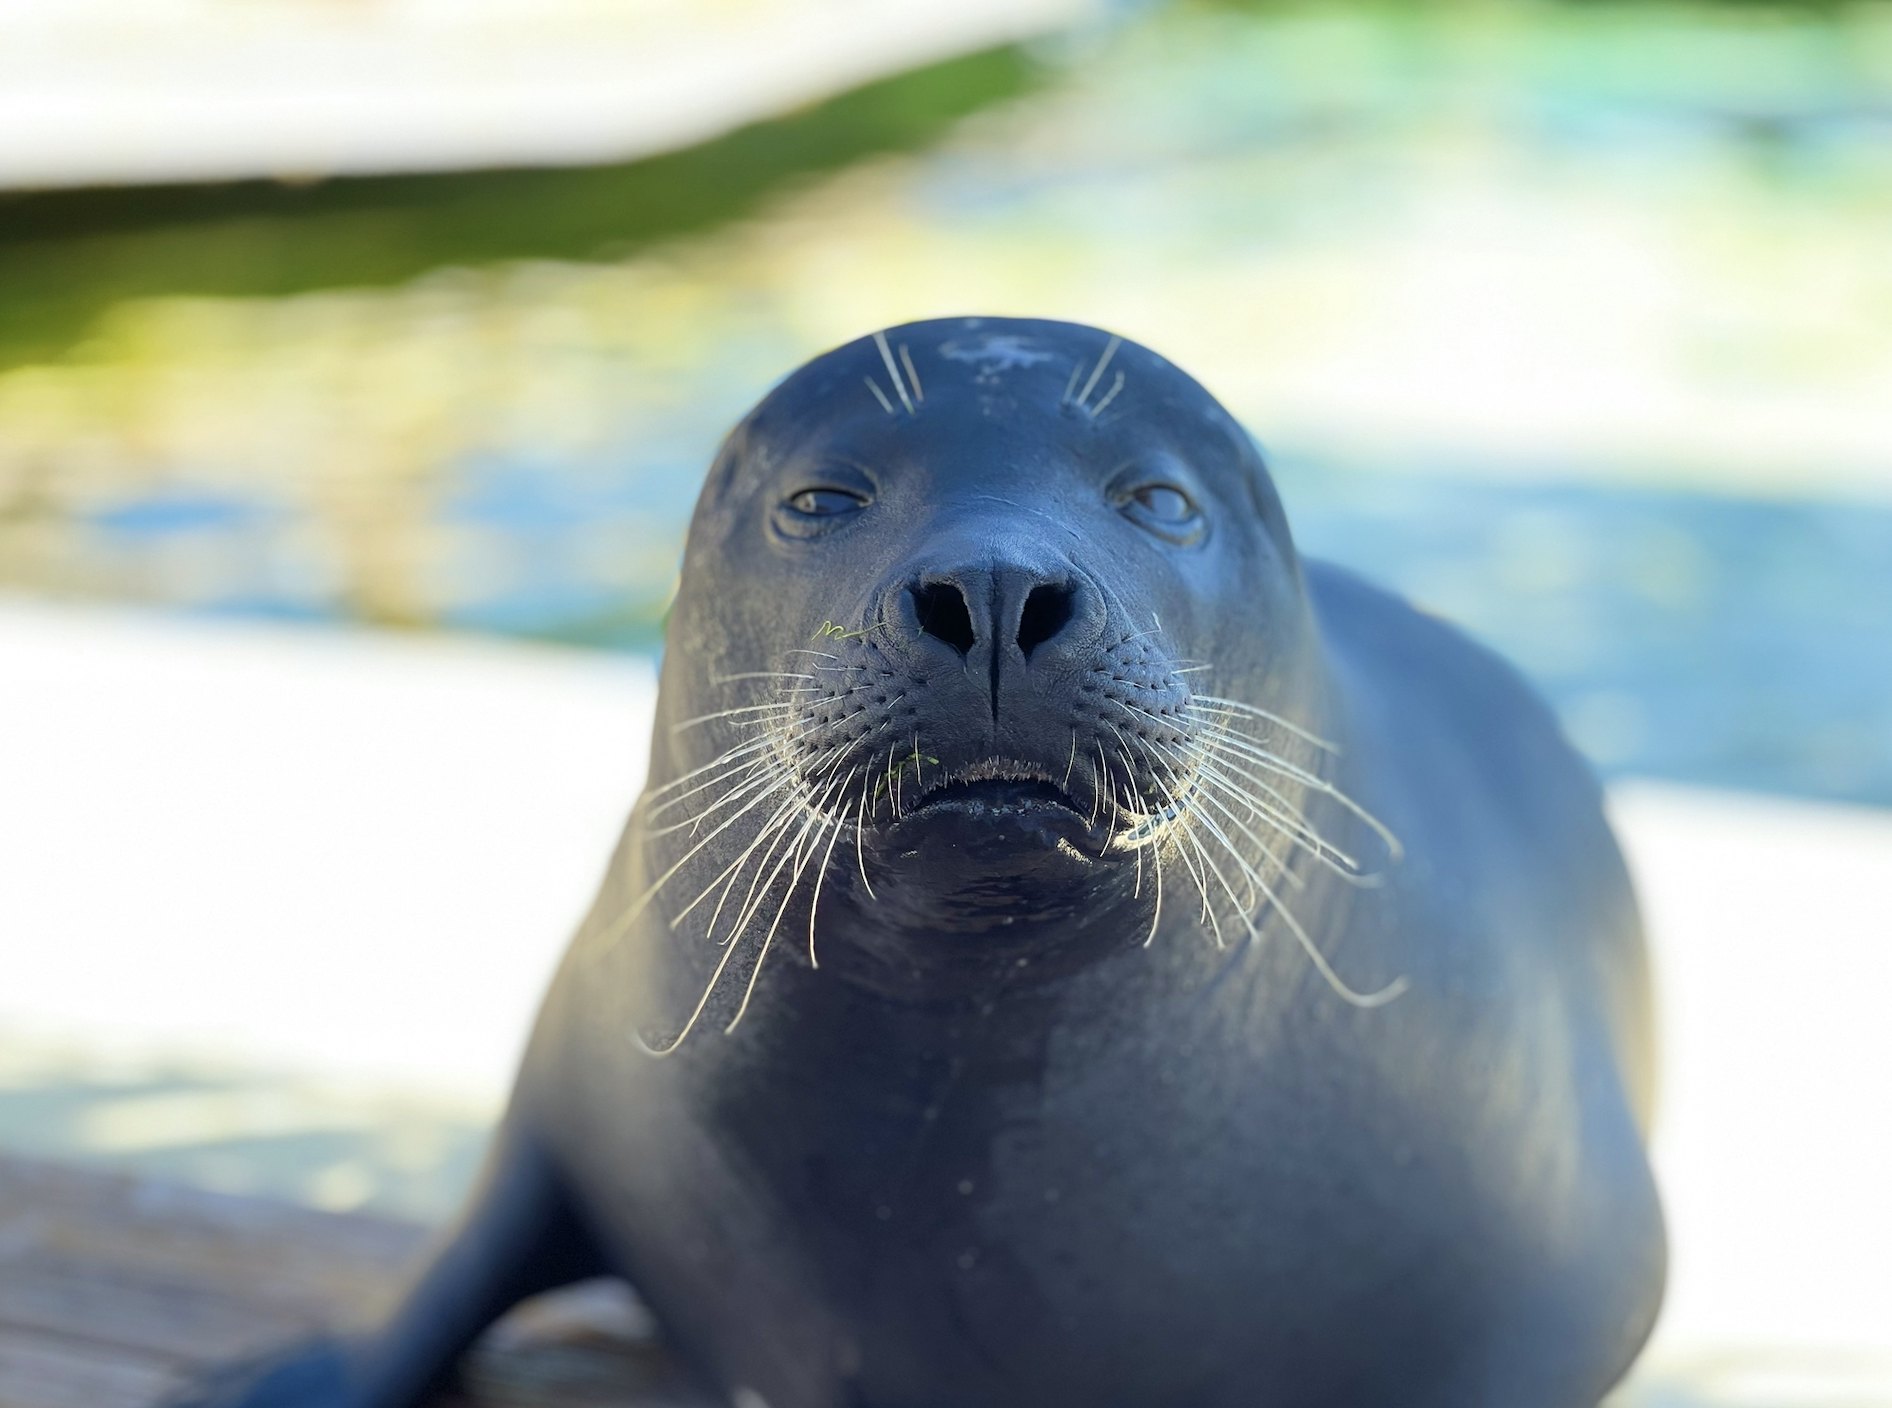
column 1047, row 611
column 943, row 614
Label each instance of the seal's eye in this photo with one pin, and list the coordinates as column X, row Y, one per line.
column 1165, row 503
column 1164, row 510
column 817, row 509
column 825, row 503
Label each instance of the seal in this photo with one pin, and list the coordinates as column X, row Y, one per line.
column 1071, row 950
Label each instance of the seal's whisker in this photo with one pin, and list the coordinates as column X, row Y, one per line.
column 1274, row 762
column 775, row 769
column 1324, row 851
column 1242, row 908
column 1117, row 827
column 637, row 906
column 1258, row 754
column 774, row 833
column 780, row 826
column 1099, row 777
column 1150, row 754
column 1191, row 820
column 802, row 852
column 733, row 781
column 1208, row 790
column 754, row 748
column 1107, row 397
column 814, row 905
column 860, row 833
column 886, row 786
column 670, row 1047
column 1322, row 854
column 1238, row 771
column 1110, row 350
column 1339, row 986
column 715, row 980
column 1210, row 703
column 1147, row 715
column 812, row 813
column 1186, row 833
column 773, row 706
column 766, row 770
column 879, row 395
column 1257, row 881
column 784, row 777
column 1120, row 788
column 782, row 782
column 826, row 773
column 1212, row 790
column 893, row 372
column 1156, row 913
column 786, row 844
column 1219, row 792
column 821, row 771
column 799, row 852
column 748, row 745
column 760, row 675
column 727, row 766
column 913, row 374
column 1077, row 370
column 729, row 873
column 1242, row 784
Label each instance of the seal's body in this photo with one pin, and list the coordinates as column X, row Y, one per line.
column 1072, row 950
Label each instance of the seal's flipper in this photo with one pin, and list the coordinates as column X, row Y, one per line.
column 517, row 1239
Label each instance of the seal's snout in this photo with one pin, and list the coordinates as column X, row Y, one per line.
column 1000, row 686
column 998, row 615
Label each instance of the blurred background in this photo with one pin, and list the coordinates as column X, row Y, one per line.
column 360, row 360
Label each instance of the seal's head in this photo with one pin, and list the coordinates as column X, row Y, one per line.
column 1003, row 614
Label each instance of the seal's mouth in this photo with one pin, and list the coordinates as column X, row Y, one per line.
column 996, row 786
column 995, row 796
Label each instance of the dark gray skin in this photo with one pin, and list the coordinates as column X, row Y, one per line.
column 1011, row 1136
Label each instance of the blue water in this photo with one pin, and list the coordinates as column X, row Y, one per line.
column 1735, row 642
column 1727, row 641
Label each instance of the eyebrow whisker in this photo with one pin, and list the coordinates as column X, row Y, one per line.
column 893, row 371
column 1110, row 350
column 913, row 374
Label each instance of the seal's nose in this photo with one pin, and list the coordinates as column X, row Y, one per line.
column 943, row 614
column 1047, row 612
column 995, row 609
column 1018, row 630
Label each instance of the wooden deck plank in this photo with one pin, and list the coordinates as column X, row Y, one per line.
column 113, row 1288
column 42, row 1371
